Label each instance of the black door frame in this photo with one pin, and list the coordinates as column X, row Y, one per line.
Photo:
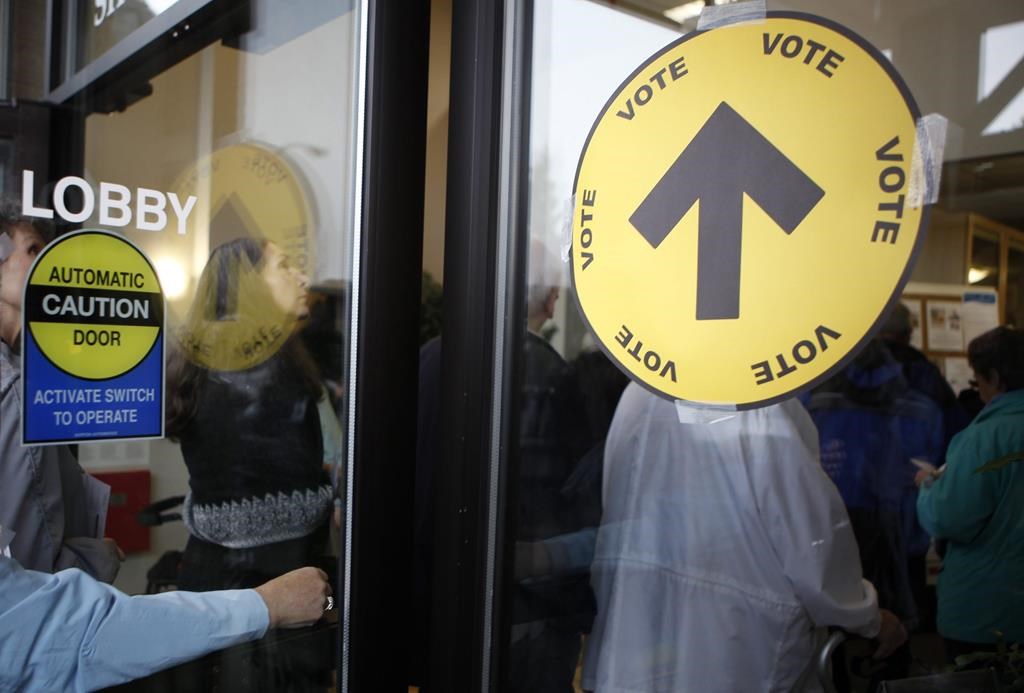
column 484, row 326
column 391, row 257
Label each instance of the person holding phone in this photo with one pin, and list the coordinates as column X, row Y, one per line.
column 976, row 504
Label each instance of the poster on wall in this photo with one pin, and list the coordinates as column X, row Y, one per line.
column 945, row 326
column 93, row 352
column 958, row 373
column 980, row 314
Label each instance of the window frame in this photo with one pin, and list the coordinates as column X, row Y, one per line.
column 486, row 237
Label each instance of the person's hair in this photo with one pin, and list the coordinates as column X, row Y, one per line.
column 185, row 378
column 536, row 299
column 1000, row 350
column 224, row 263
column 11, row 216
column 898, row 325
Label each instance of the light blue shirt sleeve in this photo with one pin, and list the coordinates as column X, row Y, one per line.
column 68, row 632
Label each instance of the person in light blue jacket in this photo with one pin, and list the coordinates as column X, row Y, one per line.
column 977, row 503
column 69, row 632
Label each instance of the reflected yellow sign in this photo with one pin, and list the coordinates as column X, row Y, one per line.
column 743, row 210
column 234, row 322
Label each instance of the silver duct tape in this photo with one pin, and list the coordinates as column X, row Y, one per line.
column 926, row 163
column 717, row 16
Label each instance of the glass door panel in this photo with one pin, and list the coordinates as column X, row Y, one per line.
column 568, row 388
column 256, row 132
column 605, row 543
column 231, row 165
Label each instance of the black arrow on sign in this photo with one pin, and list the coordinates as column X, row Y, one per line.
column 727, row 157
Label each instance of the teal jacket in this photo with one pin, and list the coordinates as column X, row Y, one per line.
column 981, row 586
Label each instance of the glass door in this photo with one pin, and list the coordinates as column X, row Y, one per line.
column 556, row 568
column 252, row 153
column 255, row 260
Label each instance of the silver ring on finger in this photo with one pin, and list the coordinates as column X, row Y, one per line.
column 330, row 603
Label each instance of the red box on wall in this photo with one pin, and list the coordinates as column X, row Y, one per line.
column 129, row 493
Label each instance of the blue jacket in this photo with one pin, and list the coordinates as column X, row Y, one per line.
column 981, row 587
column 924, row 376
column 870, row 425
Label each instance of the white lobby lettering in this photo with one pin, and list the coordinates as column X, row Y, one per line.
column 114, row 204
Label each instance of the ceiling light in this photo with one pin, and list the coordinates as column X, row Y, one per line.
column 975, row 275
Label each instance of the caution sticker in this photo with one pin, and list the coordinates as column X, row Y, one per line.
column 743, row 210
column 93, row 354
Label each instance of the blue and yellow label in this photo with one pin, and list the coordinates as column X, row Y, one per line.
column 93, row 342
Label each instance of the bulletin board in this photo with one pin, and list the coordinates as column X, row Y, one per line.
column 945, row 319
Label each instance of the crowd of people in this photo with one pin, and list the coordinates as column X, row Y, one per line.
column 669, row 549
column 725, row 543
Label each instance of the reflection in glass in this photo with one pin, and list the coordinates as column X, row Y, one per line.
column 569, row 85
column 103, row 23
column 556, row 515
column 569, row 388
column 873, row 427
column 243, row 403
column 256, row 275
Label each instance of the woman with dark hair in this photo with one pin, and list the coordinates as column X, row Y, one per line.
column 978, row 502
column 243, row 404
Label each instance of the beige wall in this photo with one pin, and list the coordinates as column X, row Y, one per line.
column 943, row 256
column 437, row 138
column 296, row 100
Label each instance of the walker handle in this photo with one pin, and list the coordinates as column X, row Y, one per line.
column 824, row 662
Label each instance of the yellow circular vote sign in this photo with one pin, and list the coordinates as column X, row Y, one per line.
column 745, row 210
column 255, row 193
column 93, row 305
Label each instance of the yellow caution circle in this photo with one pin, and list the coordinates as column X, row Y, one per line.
column 747, row 206
column 249, row 193
column 93, row 305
